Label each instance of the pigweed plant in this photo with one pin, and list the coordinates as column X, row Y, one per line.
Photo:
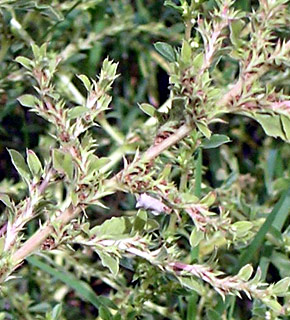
column 190, row 240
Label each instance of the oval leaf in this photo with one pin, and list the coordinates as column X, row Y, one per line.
column 165, row 50
column 215, row 141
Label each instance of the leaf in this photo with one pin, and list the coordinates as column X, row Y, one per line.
column 63, row 162
column 198, row 61
column 113, row 227
column 148, row 109
column 28, row 100
column 104, row 313
column 186, row 52
column 109, row 262
column 165, row 50
column 77, row 112
column 81, row 287
column 236, row 27
column 280, row 209
column 25, row 62
column 195, row 237
column 6, row 200
column 242, row 227
column 271, row 125
column 282, row 263
column 192, row 284
column 215, row 141
column 86, row 81
column 19, row 164
column 209, row 199
column 281, row 287
column 246, row 272
column 140, row 220
column 101, row 162
column 286, row 126
column 203, row 128
column 273, row 304
column 34, row 163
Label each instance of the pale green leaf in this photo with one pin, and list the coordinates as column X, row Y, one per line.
column 203, row 128
column 148, row 109
column 34, row 163
column 28, row 100
column 195, row 237
column 109, row 262
column 77, row 112
column 86, row 81
column 246, row 272
column 25, row 62
column 19, row 164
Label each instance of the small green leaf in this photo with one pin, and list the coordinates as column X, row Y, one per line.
column 186, row 52
column 148, row 109
column 34, row 163
column 96, row 163
column 242, row 227
column 19, row 164
column 140, row 220
column 6, row 200
column 282, row 287
column 28, row 100
column 273, row 304
column 215, row 141
column 25, row 62
column 109, row 262
column 195, row 237
column 36, row 51
column 198, row 61
column 235, row 35
column 77, row 112
column 191, row 284
column 104, row 313
column 63, row 163
column 166, row 50
column 203, row 128
column 86, row 81
column 209, row 199
column 246, row 272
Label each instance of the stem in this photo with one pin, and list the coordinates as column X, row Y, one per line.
column 27, row 214
column 188, row 27
column 112, row 132
column 39, row 237
column 156, row 150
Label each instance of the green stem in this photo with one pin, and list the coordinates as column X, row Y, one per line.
column 112, row 132
column 198, row 174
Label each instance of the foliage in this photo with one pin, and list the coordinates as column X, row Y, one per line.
column 178, row 209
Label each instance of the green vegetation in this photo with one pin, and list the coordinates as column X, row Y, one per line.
column 145, row 160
